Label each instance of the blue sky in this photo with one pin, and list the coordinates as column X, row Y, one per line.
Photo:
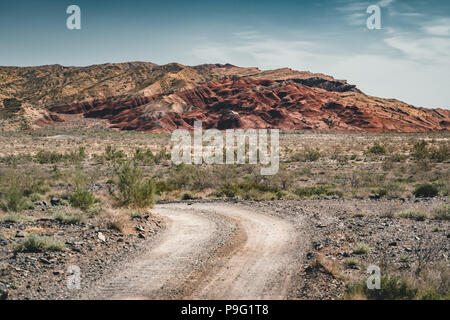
column 408, row 59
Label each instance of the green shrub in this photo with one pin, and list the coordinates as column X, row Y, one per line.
column 431, row 294
column 32, row 184
column 249, row 190
column 420, row 150
column 166, row 186
column 11, row 217
column 14, row 200
column 76, row 156
column 111, row 154
column 404, row 258
column 351, row 262
column 35, row 243
column 280, row 195
column 441, row 213
column 312, row 155
column 35, row 197
column 392, row 288
column 309, row 154
column 396, row 157
column 413, row 215
column 148, row 157
column 82, row 199
column 441, row 154
column 380, row 192
column 187, row 196
column 144, row 156
column 307, row 192
column 377, row 149
column 48, row 157
column 68, row 219
column 228, row 191
column 361, row 248
column 131, row 189
column 426, row 190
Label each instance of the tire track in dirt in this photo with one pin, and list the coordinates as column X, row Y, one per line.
column 209, row 251
column 180, row 249
column 262, row 267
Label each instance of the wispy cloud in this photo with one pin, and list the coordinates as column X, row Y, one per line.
column 426, row 50
column 385, row 3
column 420, row 61
column 438, row 27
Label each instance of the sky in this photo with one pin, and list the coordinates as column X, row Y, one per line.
column 408, row 58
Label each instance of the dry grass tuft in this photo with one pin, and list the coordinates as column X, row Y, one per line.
column 328, row 264
column 116, row 219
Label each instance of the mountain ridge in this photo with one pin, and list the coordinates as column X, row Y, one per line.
column 161, row 98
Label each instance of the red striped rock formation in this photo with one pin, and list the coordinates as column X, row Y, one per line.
column 148, row 97
column 263, row 103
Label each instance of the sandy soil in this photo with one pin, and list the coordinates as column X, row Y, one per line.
column 209, row 251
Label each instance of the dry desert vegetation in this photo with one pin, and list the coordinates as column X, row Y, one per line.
column 82, row 195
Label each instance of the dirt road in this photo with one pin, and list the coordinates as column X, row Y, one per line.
column 210, row 251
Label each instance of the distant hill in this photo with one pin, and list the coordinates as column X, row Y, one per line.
column 149, row 97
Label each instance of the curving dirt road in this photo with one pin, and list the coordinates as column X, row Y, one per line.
column 210, row 251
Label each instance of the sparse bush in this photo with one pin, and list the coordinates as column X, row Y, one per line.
column 426, row 190
column 68, row 219
column 249, row 190
column 166, row 186
column 361, row 248
column 351, row 262
column 380, row 192
column 148, row 157
column 51, row 157
column 308, row 192
column 82, row 199
column 440, row 154
column 404, row 259
column 32, row 184
column 35, row 197
column 132, row 190
column 413, row 215
column 396, row 157
column 228, row 191
column 431, row 294
column 76, row 156
column 420, row 150
column 35, row 243
column 389, row 214
column 48, row 157
column 308, row 155
column 13, row 200
column 12, row 218
column 312, row 155
column 441, row 213
column 377, row 149
column 187, row 196
column 111, row 154
column 117, row 219
column 392, row 288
